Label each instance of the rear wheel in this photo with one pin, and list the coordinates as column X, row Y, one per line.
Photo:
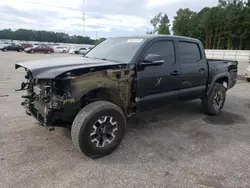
column 49, row 52
column 214, row 101
column 5, row 50
column 32, row 51
column 98, row 129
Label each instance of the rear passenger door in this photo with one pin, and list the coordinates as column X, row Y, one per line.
column 158, row 85
column 194, row 70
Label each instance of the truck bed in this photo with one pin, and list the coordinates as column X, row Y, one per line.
column 227, row 67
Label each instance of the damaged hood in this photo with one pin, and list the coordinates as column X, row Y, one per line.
column 51, row 68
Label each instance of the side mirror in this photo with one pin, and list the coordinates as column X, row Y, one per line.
column 152, row 60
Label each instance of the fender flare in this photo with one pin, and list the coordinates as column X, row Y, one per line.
column 217, row 77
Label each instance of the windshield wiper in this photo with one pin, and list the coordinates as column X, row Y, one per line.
column 104, row 59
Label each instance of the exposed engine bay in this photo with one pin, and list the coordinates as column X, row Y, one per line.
column 60, row 99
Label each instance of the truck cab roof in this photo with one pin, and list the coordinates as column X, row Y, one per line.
column 151, row 37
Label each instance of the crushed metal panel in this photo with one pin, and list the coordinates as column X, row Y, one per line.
column 118, row 80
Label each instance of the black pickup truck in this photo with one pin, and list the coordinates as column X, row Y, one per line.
column 116, row 79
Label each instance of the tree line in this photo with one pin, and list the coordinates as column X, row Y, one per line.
column 225, row 26
column 46, row 36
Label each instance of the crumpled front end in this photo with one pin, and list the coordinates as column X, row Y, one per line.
column 46, row 99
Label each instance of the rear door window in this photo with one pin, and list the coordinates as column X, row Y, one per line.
column 189, row 52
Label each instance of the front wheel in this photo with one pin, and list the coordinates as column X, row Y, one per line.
column 214, row 101
column 98, row 129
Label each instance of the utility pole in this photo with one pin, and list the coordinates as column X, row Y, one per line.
column 83, row 23
column 83, row 18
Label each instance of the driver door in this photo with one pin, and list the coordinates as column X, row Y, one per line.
column 158, row 85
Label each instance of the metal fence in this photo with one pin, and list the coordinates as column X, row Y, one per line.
column 238, row 55
column 242, row 56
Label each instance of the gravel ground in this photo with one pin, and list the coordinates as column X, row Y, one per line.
column 177, row 146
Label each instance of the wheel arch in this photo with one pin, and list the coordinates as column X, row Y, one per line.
column 220, row 78
column 102, row 93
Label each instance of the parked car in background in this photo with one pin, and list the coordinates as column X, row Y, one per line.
column 12, row 47
column 3, row 45
column 73, row 50
column 60, row 49
column 40, row 49
column 26, row 45
column 79, row 50
column 82, row 50
column 247, row 74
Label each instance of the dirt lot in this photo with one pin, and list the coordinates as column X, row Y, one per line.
column 177, row 146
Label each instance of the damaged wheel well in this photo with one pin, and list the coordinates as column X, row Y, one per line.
column 104, row 94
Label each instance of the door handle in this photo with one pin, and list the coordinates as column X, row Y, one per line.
column 174, row 73
column 202, row 70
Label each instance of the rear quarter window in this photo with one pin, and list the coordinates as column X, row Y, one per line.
column 189, row 52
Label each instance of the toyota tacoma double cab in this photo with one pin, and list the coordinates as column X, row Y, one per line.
column 97, row 92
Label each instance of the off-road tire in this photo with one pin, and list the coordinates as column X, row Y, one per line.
column 85, row 119
column 207, row 101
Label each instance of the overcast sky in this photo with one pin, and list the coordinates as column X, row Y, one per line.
column 108, row 17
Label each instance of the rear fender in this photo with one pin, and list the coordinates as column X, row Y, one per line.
column 216, row 78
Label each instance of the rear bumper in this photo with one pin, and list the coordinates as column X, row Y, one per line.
column 232, row 83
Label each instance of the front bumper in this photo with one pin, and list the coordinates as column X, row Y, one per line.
column 40, row 112
column 48, row 116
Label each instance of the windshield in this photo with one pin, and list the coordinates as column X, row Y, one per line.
column 120, row 50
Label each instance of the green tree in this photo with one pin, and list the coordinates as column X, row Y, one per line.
column 225, row 26
column 161, row 24
column 182, row 22
column 155, row 22
column 44, row 36
column 245, row 37
column 98, row 41
column 164, row 25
